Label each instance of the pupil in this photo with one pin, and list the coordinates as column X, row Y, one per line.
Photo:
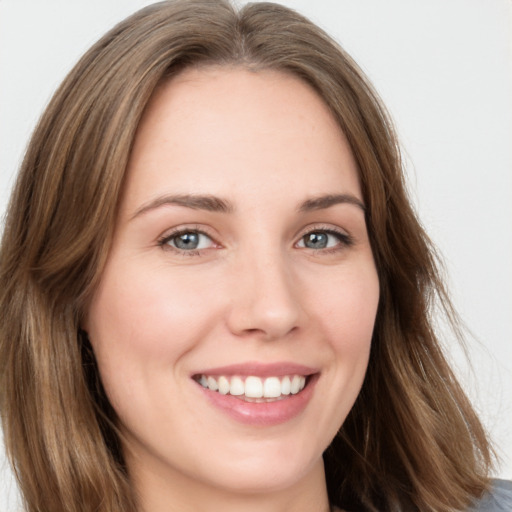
column 187, row 241
column 316, row 241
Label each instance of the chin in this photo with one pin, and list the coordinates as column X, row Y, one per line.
column 268, row 470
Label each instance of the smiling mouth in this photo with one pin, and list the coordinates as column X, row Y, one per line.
column 253, row 388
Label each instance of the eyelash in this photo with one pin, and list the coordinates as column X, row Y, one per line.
column 163, row 242
column 345, row 240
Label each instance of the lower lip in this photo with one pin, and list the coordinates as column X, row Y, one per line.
column 262, row 413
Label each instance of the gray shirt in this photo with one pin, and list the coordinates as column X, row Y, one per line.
column 498, row 499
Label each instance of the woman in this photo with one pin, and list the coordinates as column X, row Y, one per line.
column 216, row 294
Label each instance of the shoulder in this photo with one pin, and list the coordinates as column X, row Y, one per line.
column 498, row 499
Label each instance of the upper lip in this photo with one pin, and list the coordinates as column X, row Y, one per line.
column 252, row 368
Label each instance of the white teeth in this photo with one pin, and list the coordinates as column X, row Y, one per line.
column 286, row 386
column 295, row 387
column 272, row 387
column 237, row 386
column 254, row 387
column 212, row 384
column 223, row 385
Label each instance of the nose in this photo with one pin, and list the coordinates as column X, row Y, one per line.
column 265, row 299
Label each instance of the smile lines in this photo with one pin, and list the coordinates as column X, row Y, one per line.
column 254, row 387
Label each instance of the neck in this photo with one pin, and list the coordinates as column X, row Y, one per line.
column 160, row 491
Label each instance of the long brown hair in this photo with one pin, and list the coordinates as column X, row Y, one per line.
column 411, row 441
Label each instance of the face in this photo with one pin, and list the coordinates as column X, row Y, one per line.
column 233, row 320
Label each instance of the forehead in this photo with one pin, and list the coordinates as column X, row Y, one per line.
column 225, row 129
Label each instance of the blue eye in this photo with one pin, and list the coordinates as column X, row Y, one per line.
column 188, row 241
column 324, row 239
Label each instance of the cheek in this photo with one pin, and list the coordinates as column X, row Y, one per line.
column 343, row 313
column 348, row 308
column 140, row 320
column 347, row 313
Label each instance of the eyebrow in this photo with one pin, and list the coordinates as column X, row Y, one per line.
column 196, row 202
column 326, row 201
column 212, row 203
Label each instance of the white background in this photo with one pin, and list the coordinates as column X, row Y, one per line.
column 443, row 68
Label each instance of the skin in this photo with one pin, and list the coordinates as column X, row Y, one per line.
column 253, row 291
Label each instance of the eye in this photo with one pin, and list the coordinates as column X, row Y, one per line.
column 187, row 241
column 324, row 239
